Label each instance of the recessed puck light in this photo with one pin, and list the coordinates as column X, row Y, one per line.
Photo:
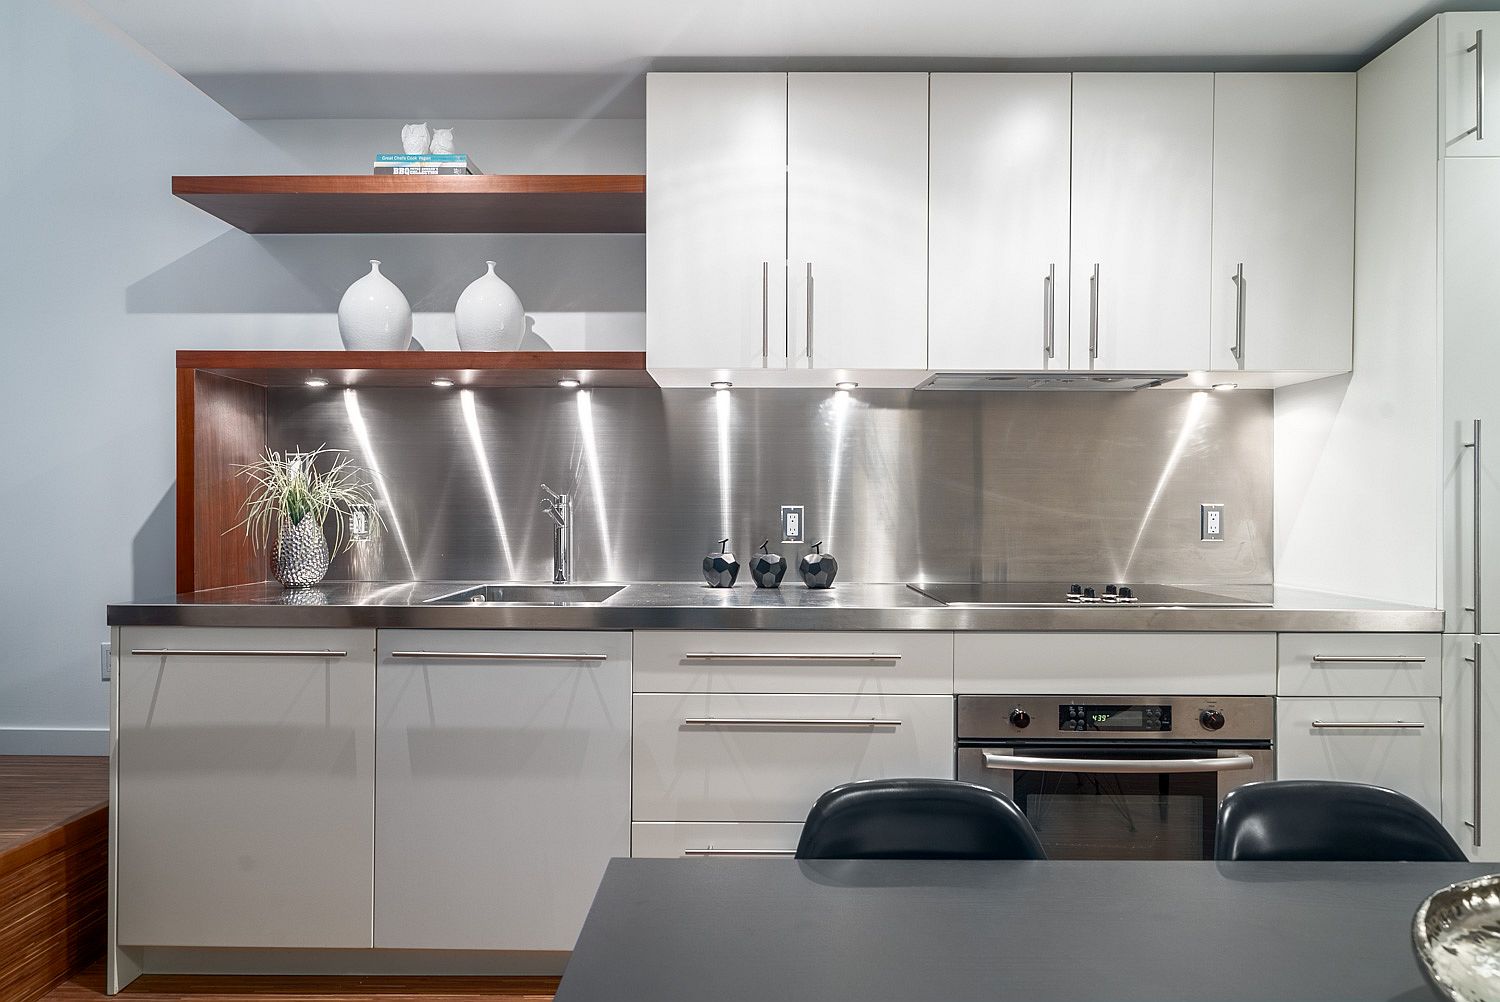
column 720, row 384
column 442, row 382
column 569, row 384
column 316, row 382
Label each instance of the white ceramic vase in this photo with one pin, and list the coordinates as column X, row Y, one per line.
column 374, row 315
column 489, row 316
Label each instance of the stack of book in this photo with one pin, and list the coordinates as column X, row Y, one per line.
column 424, row 163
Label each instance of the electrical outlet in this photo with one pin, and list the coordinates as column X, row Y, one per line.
column 106, row 662
column 1211, row 523
column 793, row 529
column 360, row 520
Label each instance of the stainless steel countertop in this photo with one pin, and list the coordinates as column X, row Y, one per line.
column 678, row 605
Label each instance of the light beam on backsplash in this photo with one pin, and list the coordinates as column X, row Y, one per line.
column 596, row 480
column 722, row 405
column 367, row 447
column 487, row 478
column 1190, row 426
column 839, row 406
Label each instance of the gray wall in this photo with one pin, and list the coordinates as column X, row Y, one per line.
column 900, row 485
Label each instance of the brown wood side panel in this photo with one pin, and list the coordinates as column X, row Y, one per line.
column 88, row 986
column 53, row 908
column 228, row 430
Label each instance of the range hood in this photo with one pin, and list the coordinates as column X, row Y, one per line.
column 1047, row 380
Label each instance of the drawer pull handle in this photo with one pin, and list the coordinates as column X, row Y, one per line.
column 1401, row 725
column 1373, row 659
column 813, row 658
column 739, row 852
column 808, row 722
column 494, row 656
column 173, row 652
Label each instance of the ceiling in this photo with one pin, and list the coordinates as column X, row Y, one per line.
column 505, row 59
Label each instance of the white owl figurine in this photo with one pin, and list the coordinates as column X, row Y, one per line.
column 414, row 138
column 442, row 141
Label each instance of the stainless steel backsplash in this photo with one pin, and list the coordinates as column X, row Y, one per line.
column 899, row 485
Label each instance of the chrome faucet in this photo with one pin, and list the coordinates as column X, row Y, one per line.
column 559, row 508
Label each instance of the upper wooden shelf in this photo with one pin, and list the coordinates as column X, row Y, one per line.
column 360, row 203
column 419, row 368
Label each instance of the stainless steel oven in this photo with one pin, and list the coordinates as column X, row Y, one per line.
column 1117, row 777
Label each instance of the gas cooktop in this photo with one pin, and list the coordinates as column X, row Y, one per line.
column 1046, row 593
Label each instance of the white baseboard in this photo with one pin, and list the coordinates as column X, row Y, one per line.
column 54, row 741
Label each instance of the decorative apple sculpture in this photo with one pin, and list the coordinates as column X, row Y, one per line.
column 818, row 569
column 720, row 569
column 767, row 568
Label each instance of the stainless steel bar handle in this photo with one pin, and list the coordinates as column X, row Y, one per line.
column 1478, row 49
column 739, row 852
column 813, row 658
column 809, row 290
column 1094, row 315
column 493, row 656
column 1476, row 661
column 1399, row 725
column 1238, row 348
column 808, row 722
column 1049, row 312
column 1370, row 659
column 1011, row 762
column 765, row 314
column 175, row 652
column 1478, row 553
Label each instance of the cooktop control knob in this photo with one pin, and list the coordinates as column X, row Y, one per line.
column 1020, row 718
column 1211, row 719
column 1111, row 590
column 1075, row 589
column 1126, row 595
column 1088, row 593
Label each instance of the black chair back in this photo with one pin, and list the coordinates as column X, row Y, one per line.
column 917, row 819
column 1326, row 821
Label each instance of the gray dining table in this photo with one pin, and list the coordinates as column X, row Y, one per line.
column 778, row 930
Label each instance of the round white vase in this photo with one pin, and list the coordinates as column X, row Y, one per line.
column 374, row 315
column 489, row 316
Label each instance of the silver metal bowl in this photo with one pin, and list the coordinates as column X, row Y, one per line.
column 1456, row 933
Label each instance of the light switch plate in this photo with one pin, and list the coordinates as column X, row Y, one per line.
column 1211, row 523
column 106, row 662
column 793, row 524
column 359, row 522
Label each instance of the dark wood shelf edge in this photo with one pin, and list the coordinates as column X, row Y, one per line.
column 358, row 185
column 410, row 360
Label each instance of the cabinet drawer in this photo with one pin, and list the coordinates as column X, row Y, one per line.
column 1343, row 739
column 726, row 757
column 708, row 840
column 1168, row 664
column 759, row 661
column 1359, row 664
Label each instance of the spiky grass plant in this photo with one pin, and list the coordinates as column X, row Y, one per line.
column 291, row 486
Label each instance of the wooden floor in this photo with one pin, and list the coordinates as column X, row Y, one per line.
column 54, row 855
column 89, row 987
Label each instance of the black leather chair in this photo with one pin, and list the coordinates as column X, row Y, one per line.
column 917, row 819
column 1325, row 821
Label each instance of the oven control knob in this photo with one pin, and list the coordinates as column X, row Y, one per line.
column 1020, row 718
column 1088, row 593
column 1211, row 719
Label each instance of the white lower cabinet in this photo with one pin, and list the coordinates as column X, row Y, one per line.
column 759, row 757
column 503, row 785
column 707, row 840
column 1471, row 744
column 1393, row 743
column 246, row 782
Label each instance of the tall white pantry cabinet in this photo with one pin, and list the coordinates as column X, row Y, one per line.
column 1429, row 212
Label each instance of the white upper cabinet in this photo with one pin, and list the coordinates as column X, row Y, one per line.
column 1469, row 55
column 857, row 220
column 1000, row 156
column 1142, row 216
column 715, row 220
column 1283, row 221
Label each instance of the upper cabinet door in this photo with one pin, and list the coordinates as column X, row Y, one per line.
column 857, row 220
column 998, row 228
column 1469, row 58
column 1283, row 221
column 715, row 220
column 1142, row 208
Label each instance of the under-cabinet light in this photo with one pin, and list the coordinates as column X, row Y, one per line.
column 569, row 384
column 720, row 384
column 1222, row 387
column 442, row 382
column 846, row 384
column 316, row 382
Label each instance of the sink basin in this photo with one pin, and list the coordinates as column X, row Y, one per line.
column 529, row 594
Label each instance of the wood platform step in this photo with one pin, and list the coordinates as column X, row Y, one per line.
column 88, row 986
column 54, row 864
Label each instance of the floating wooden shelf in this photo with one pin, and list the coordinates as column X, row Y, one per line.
column 360, row 203
column 419, row 368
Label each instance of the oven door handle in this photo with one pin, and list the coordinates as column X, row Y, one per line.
column 1010, row 761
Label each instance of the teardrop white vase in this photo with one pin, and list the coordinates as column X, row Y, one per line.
column 374, row 315
column 489, row 316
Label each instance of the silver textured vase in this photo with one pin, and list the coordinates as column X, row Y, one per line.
column 301, row 557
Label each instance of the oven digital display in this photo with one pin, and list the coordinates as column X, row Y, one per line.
column 1114, row 717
